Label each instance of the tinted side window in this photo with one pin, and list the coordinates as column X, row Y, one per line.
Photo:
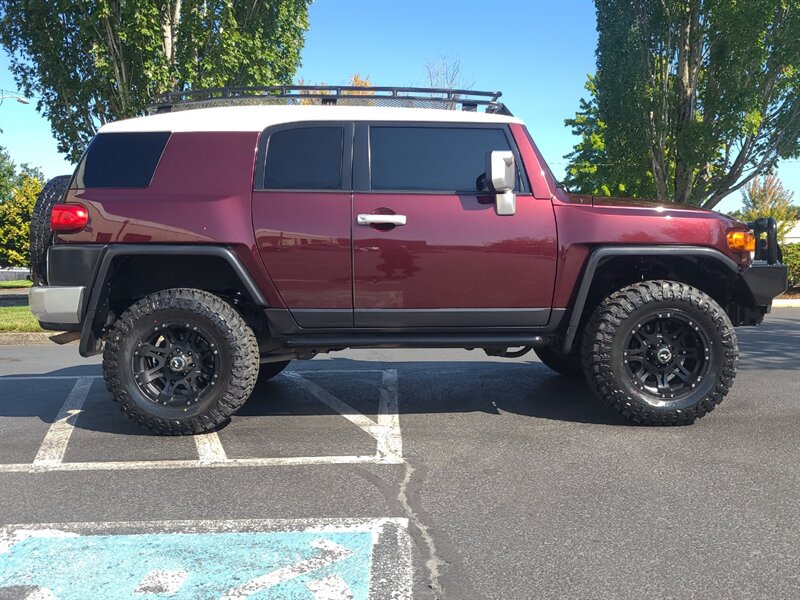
column 308, row 158
column 431, row 158
column 121, row 160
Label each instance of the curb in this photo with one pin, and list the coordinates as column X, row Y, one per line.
column 786, row 303
column 26, row 339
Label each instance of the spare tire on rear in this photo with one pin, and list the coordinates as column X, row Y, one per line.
column 41, row 237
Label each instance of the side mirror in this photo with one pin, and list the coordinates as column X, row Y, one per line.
column 501, row 174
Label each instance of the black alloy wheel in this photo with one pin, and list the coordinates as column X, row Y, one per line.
column 660, row 352
column 180, row 361
column 175, row 365
column 667, row 355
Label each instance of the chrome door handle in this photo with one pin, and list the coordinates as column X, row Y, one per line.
column 382, row 219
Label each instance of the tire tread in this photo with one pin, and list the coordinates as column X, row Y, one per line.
column 601, row 330
column 241, row 340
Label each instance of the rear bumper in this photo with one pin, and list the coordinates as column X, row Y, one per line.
column 57, row 307
column 765, row 281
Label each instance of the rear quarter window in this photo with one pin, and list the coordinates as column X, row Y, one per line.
column 121, row 160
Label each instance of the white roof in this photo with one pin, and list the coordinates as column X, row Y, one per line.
column 258, row 118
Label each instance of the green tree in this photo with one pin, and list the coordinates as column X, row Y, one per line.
column 591, row 170
column 695, row 97
column 96, row 61
column 19, row 187
column 766, row 197
column 11, row 175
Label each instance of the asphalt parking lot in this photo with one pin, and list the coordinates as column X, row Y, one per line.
column 400, row 474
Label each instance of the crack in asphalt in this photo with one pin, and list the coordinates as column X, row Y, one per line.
column 434, row 562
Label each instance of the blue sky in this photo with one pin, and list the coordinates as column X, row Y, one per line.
column 537, row 52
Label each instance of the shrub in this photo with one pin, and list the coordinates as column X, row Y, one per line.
column 791, row 257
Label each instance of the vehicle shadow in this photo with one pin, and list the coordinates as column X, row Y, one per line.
column 491, row 387
column 462, row 386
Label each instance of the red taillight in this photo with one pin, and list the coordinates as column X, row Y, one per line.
column 67, row 218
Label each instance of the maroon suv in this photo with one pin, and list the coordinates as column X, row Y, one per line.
column 202, row 249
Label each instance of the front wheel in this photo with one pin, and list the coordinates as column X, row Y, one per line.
column 180, row 361
column 660, row 353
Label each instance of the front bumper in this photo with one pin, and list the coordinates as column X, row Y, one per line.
column 57, row 307
column 765, row 281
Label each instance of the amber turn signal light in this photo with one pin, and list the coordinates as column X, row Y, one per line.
column 741, row 241
column 68, row 218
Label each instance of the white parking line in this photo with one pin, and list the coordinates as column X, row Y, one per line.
column 52, row 450
column 386, row 431
column 210, row 451
column 391, row 442
column 209, row 447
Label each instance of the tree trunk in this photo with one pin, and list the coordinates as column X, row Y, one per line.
column 688, row 69
column 170, row 22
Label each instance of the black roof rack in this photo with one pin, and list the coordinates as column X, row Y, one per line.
column 407, row 97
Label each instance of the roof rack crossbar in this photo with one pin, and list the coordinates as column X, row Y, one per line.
column 448, row 98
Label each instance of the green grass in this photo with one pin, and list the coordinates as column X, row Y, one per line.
column 17, row 319
column 17, row 283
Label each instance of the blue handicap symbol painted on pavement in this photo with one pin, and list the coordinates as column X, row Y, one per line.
column 256, row 564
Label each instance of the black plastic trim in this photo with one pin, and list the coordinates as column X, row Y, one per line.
column 765, row 281
column 284, row 325
column 452, row 317
column 73, row 264
column 93, row 322
column 604, row 252
column 766, row 249
column 347, row 154
column 60, row 326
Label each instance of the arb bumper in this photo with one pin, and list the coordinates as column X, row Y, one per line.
column 765, row 281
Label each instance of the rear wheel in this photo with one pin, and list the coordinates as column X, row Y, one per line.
column 568, row 365
column 41, row 237
column 660, row 353
column 180, row 361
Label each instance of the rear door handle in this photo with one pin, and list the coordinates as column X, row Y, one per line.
column 382, row 219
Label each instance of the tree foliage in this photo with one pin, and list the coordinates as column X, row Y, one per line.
column 356, row 80
column 100, row 60
column 766, row 197
column 692, row 98
column 19, row 187
column 590, row 169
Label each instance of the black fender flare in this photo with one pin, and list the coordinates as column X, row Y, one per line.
column 602, row 252
column 93, row 322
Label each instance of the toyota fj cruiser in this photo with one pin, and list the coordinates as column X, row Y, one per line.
column 202, row 249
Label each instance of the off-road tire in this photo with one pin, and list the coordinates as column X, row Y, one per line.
column 41, row 237
column 270, row 370
column 613, row 323
column 237, row 360
column 568, row 365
